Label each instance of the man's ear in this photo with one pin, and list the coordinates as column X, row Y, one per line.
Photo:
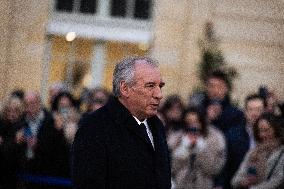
column 124, row 89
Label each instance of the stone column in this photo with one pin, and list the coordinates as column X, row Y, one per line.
column 103, row 8
column 98, row 63
column 46, row 68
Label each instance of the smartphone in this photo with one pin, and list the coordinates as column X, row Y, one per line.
column 251, row 171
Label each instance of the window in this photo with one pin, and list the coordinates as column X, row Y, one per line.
column 139, row 9
column 142, row 9
column 82, row 6
column 64, row 5
column 88, row 6
column 133, row 9
column 118, row 8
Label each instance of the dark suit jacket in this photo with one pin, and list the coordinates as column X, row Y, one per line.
column 110, row 152
column 238, row 143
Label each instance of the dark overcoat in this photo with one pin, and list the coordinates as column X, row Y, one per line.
column 110, row 152
column 51, row 154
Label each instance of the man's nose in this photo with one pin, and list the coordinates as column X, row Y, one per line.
column 158, row 93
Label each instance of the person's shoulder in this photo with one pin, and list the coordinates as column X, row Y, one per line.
column 216, row 134
column 212, row 130
column 47, row 115
column 91, row 127
column 280, row 149
column 93, row 119
column 233, row 109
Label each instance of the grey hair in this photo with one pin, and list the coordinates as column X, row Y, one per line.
column 124, row 71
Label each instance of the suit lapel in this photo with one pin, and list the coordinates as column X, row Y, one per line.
column 123, row 117
column 156, row 134
column 136, row 129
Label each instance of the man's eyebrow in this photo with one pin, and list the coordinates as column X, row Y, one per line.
column 161, row 84
column 150, row 83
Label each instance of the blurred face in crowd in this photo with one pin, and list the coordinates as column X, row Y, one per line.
column 143, row 96
column 64, row 102
column 13, row 114
column 193, row 125
column 266, row 132
column 191, row 119
column 271, row 102
column 32, row 104
column 174, row 113
column 254, row 108
column 13, row 110
column 216, row 88
column 54, row 90
column 99, row 100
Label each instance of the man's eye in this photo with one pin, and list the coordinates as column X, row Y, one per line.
column 150, row 85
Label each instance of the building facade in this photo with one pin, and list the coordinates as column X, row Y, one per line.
column 79, row 42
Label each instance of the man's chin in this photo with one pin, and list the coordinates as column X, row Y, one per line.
column 152, row 113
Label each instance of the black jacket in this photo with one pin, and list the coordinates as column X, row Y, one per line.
column 110, row 152
column 10, row 154
column 51, row 154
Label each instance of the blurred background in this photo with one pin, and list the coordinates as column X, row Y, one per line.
column 78, row 42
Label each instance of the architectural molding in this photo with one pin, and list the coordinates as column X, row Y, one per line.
column 101, row 28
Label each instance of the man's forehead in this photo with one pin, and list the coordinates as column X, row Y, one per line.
column 255, row 102
column 32, row 97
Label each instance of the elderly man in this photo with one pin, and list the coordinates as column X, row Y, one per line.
column 46, row 148
column 122, row 145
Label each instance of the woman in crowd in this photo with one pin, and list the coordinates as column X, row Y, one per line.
column 98, row 98
column 263, row 166
column 66, row 114
column 11, row 142
column 199, row 155
column 171, row 113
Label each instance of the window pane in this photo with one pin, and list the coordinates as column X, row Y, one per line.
column 143, row 9
column 88, row 6
column 118, row 8
column 64, row 5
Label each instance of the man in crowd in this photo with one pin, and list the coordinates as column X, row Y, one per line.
column 217, row 104
column 46, row 148
column 123, row 145
column 241, row 138
column 221, row 113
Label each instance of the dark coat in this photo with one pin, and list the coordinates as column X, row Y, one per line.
column 10, row 154
column 231, row 116
column 51, row 154
column 238, row 144
column 110, row 152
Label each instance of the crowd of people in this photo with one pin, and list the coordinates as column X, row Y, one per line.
column 215, row 144
column 212, row 142
column 35, row 139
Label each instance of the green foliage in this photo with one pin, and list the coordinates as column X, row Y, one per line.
column 212, row 58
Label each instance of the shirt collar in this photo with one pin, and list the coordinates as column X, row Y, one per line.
column 249, row 129
column 139, row 122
